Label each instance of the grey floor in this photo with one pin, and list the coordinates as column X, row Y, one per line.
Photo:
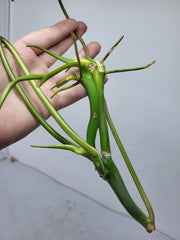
column 35, row 207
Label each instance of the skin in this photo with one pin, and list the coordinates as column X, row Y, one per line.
column 16, row 120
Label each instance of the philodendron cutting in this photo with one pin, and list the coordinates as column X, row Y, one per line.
column 91, row 75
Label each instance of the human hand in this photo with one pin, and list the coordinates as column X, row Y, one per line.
column 15, row 119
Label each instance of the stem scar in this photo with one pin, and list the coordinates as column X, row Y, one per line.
column 95, row 115
column 91, row 67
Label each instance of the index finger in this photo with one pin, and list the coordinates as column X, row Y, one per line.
column 51, row 35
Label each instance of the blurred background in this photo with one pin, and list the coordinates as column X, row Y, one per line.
column 144, row 104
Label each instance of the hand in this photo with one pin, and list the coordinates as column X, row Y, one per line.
column 15, row 119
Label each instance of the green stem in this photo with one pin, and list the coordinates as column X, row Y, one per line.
column 129, row 165
column 90, row 86
column 75, row 32
column 113, row 176
column 110, row 51
column 62, row 59
column 116, row 182
column 15, row 82
column 92, row 93
column 56, row 71
column 103, row 129
column 66, row 80
column 74, row 149
column 77, row 54
column 65, row 88
column 130, row 69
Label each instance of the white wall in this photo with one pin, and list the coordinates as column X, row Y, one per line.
column 144, row 104
column 4, row 18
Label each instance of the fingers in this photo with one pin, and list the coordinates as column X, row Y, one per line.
column 61, row 46
column 52, row 38
column 52, row 35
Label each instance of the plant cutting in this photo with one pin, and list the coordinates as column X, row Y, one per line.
column 91, row 75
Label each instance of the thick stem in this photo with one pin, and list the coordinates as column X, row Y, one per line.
column 92, row 93
column 130, row 167
column 116, row 182
column 113, row 176
column 99, row 76
column 90, row 86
